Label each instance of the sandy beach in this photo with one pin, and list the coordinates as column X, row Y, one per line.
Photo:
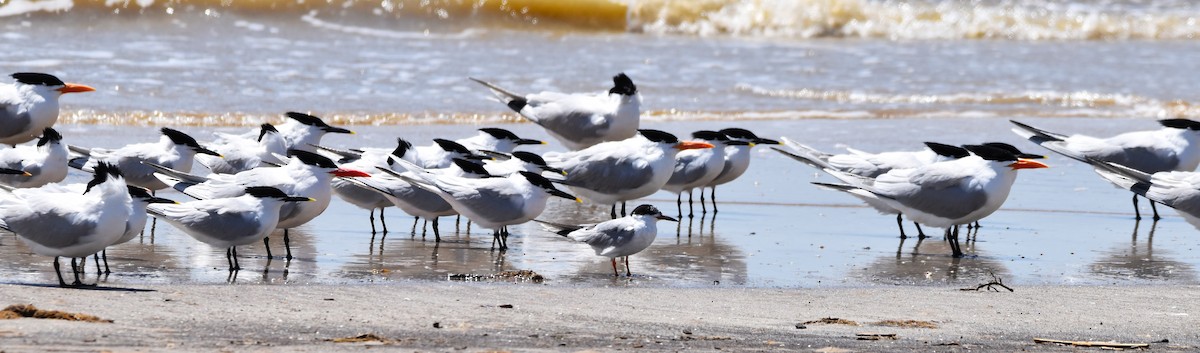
column 477, row 317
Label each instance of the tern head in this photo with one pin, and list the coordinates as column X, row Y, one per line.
column 455, row 147
column 267, row 192
column 318, row 161
column 543, row 183
column 534, row 159
column 104, row 172
column 50, row 82
column 316, row 123
column 669, row 139
column 996, row 155
column 1014, row 150
column 648, row 210
column 944, row 150
column 182, row 139
column 1181, row 124
column 743, row 134
column 709, row 135
column 264, row 129
column 502, row 134
column 143, row 194
column 622, row 85
column 402, row 148
column 49, row 135
column 471, row 167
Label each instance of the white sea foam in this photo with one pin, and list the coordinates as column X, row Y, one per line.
column 18, row 7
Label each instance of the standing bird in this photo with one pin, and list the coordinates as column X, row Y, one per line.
column 944, row 194
column 137, row 218
column 1178, row 190
column 242, row 154
column 53, row 222
column 1172, row 148
column 46, row 162
column 355, row 193
column 175, row 150
column 30, row 105
column 737, row 160
column 229, row 222
column 580, row 120
column 306, row 173
column 619, row 171
column 302, row 131
column 698, row 167
column 620, row 237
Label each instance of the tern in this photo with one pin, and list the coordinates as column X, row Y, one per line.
column 306, row 173
column 496, row 139
column 46, row 162
column 737, row 160
column 619, row 237
column 175, row 150
column 302, row 131
column 229, row 222
column 492, row 203
column 1178, row 190
column 30, row 105
column 619, row 171
column 579, row 120
column 506, row 164
column 943, row 194
column 1172, row 148
column 55, row 222
column 365, row 159
column 698, row 167
column 242, row 154
column 137, row 218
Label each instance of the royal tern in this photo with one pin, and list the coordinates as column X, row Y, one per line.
column 46, row 162
column 619, row 237
column 229, row 222
column 492, row 203
column 1172, row 148
column 55, row 222
column 619, row 171
column 175, row 150
column 242, row 154
column 30, row 105
column 737, row 159
column 580, row 120
column 306, row 173
column 873, row 165
column 943, row 194
column 696, row 168
column 302, row 131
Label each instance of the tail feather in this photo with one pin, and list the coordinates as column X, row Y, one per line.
column 805, row 158
column 347, row 155
column 559, row 228
column 853, row 189
column 1126, row 178
column 514, row 101
column 83, row 151
column 1049, row 140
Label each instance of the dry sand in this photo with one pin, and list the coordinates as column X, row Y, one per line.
column 426, row 316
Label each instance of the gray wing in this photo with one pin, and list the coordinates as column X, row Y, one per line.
column 608, row 175
column 687, row 169
column 609, row 234
column 12, row 121
column 40, row 222
column 575, row 125
column 498, row 204
column 208, row 218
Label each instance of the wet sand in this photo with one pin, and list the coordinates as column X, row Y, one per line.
column 475, row 317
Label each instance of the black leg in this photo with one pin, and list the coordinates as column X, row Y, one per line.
column 58, row 271
column 267, row 245
column 1155, row 209
column 920, row 233
column 691, row 209
column 714, row 199
column 382, row 221
column 623, row 214
column 956, row 247
column 372, row 218
column 495, row 237
column 703, row 209
column 679, row 204
column 236, row 265
column 229, row 258
column 99, row 271
column 977, row 226
column 104, row 253
column 287, row 244
column 437, row 236
column 1136, row 213
column 613, row 213
column 627, row 273
column 702, row 198
column 415, row 219
column 900, row 223
column 75, row 268
column 425, row 228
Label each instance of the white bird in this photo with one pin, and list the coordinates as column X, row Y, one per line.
column 492, row 203
column 302, row 131
column 241, row 154
column 57, row 223
column 306, row 173
column 229, row 222
column 1172, row 148
column 1178, row 190
column 30, row 105
column 580, row 120
column 737, row 160
column 943, row 194
column 46, row 162
column 620, row 171
column 698, row 167
column 175, row 150
column 619, row 237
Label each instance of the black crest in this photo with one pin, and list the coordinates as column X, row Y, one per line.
column 263, row 192
column 179, row 138
column 312, row 159
column 947, row 150
column 49, row 135
column 402, row 148
column 1012, row 149
column 264, row 129
column 138, row 192
column 500, row 134
column 529, row 157
column 659, row 136
column 623, row 85
column 103, row 171
column 307, row 119
column 538, row 180
column 37, row 78
column 1180, row 124
column 739, row 133
column 991, row 153
column 451, row 146
column 470, row 166
column 709, row 135
column 645, row 210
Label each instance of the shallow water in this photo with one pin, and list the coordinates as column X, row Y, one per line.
column 1062, row 225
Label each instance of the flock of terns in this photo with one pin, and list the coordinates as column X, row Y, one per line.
column 281, row 177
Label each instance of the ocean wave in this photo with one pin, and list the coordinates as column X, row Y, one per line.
column 888, row 19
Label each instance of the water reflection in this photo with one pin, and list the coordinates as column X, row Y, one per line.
column 1138, row 260
column 928, row 261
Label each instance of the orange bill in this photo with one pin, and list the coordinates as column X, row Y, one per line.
column 692, row 145
column 1027, row 164
column 75, row 88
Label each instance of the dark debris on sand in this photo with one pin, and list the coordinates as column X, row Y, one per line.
column 508, row 276
column 18, row 311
